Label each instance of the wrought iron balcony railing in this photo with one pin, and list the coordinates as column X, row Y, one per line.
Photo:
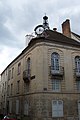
column 27, row 75
column 57, row 70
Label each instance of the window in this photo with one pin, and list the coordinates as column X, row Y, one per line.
column 12, row 72
column 79, row 109
column 28, row 66
column 5, row 85
column 19, row 68
column 8, row 89
column 3, row 88
column 10, row 106
column 56, row 85
column 6, row 72
column 55, row 61
column 18, row 86
column 26, row 108
column 78, row 85
column 17, row 106
column 11, row 88
column 77, row 64
column 9, row 75
column 57, row 108
column 26, row 87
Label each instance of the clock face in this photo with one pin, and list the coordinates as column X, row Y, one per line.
column 39, row 29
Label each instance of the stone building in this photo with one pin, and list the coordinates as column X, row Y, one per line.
column 43, row 82
column 3, row 91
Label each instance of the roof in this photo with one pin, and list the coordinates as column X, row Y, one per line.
column 50, row 36
column 55, row 37
column 59, row 38
column 76, row 34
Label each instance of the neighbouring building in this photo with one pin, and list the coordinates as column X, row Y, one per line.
column 43, row 82
column 3, row 91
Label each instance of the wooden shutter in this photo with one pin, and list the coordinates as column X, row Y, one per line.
column 17, row 106
column 57, row 108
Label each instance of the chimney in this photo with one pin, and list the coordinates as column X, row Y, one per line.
column 66, row 28
column 54, row 29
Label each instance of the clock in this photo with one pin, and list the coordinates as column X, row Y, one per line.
column 39, row 29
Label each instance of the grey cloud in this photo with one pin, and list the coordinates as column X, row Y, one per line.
column 6, row 36
column 31, row 13
column 19, row 17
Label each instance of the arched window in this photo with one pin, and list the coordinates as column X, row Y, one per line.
column 55, row 61
column 77, row 63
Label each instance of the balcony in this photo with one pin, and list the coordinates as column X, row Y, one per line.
column 56, row 71
column 77, row 73
column 26, row 75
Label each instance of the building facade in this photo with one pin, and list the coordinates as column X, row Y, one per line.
column 3, row 91
column 43, row 82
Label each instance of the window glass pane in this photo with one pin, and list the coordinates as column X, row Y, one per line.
column 79, row 109
column 19, row 68
column 55, row 61
column 77, row 63
column 28, row 65
column 78, row 85
column 56, row 85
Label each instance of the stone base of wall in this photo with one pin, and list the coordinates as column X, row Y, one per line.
column 40, row 106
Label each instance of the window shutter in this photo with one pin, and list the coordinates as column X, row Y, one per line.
column 17, row 106
column 26, row 108
column 10, row 106
column 79, row 109
column 54, row 108
column 60, row 108
column 57, row 108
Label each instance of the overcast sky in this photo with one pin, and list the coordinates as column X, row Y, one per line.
column 19, row 18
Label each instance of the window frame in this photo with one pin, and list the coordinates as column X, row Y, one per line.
column 28, row 65
column 78, row 85
column 9, row 74
column 56, row 85
column 55, row 61
column 17, row 106
column 11, row 88
column 78, row 103
column 19, row 68
column 77, row 64
column 18, row 86
column 26, row 107
column 12, row 72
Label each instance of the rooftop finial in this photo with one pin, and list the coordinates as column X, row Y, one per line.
column 45, row 22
